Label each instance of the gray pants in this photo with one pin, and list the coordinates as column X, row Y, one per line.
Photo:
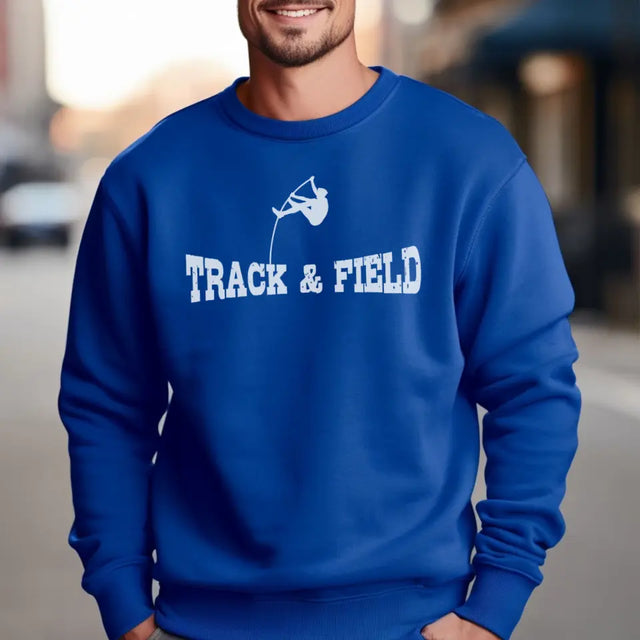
column 161, row 634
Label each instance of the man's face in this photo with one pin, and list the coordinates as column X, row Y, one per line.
column 296, row 41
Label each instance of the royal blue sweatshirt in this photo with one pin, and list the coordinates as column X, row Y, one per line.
column 319, row 306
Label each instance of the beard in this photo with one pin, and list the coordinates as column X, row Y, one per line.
column 294, row 49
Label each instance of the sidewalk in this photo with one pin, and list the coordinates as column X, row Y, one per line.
column 608, row 370
column 606, row 346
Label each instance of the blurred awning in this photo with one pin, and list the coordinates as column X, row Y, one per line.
column 597, row 28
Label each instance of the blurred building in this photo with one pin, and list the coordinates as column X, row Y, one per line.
column 25, row 106
column 564, row 77
column 24, row 96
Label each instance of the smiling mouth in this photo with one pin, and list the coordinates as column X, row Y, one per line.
column 295, row 14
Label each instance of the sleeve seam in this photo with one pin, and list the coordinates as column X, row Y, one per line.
column 133, row 247
column 115, row 209
column 129, row 237
column 484, row 215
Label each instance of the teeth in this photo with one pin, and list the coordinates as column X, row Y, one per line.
column 296, row 14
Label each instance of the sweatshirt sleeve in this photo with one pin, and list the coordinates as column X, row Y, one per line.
column 111, row 398
column 513, row 299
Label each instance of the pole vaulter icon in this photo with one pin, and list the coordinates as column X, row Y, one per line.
column 313, row 208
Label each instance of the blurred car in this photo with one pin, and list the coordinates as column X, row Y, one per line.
column 39, row 212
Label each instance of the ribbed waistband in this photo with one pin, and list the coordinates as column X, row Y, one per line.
column 390, row 610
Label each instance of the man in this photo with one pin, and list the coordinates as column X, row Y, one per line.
column 314, row 470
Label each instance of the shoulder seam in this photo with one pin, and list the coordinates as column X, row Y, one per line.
column 483, row 216
column 164, row 119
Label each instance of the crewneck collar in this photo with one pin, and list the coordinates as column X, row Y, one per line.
column 315, row 127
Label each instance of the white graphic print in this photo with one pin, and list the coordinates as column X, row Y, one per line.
column 385, row 272
column 313, row 208
column 373, row 273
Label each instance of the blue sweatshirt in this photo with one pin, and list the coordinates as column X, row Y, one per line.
column 318, row 306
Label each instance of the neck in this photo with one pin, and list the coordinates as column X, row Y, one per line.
column 315, row 90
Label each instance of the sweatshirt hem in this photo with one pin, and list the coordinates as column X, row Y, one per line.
column 391, row 610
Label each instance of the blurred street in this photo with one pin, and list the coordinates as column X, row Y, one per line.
column 590, row 587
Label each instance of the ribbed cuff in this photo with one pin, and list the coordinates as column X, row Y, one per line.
column 497, row 599
column 125, row 599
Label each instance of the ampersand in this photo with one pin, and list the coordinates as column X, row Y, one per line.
column 310, row 282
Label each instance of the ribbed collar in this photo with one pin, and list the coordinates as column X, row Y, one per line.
column 315, row 127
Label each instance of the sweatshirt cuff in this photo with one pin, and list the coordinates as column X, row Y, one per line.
column 497, row 599
column 125, row 599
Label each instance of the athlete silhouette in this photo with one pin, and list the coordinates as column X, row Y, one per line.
column 314, row 209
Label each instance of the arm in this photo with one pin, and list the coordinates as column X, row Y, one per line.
column 513, row 299
column 112, row 396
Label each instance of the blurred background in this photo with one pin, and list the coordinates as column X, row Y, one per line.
column 79, row 80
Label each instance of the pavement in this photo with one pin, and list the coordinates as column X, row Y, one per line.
column 590, row 589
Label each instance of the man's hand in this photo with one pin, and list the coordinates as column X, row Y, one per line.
column 453, row 627
column 141, row 631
